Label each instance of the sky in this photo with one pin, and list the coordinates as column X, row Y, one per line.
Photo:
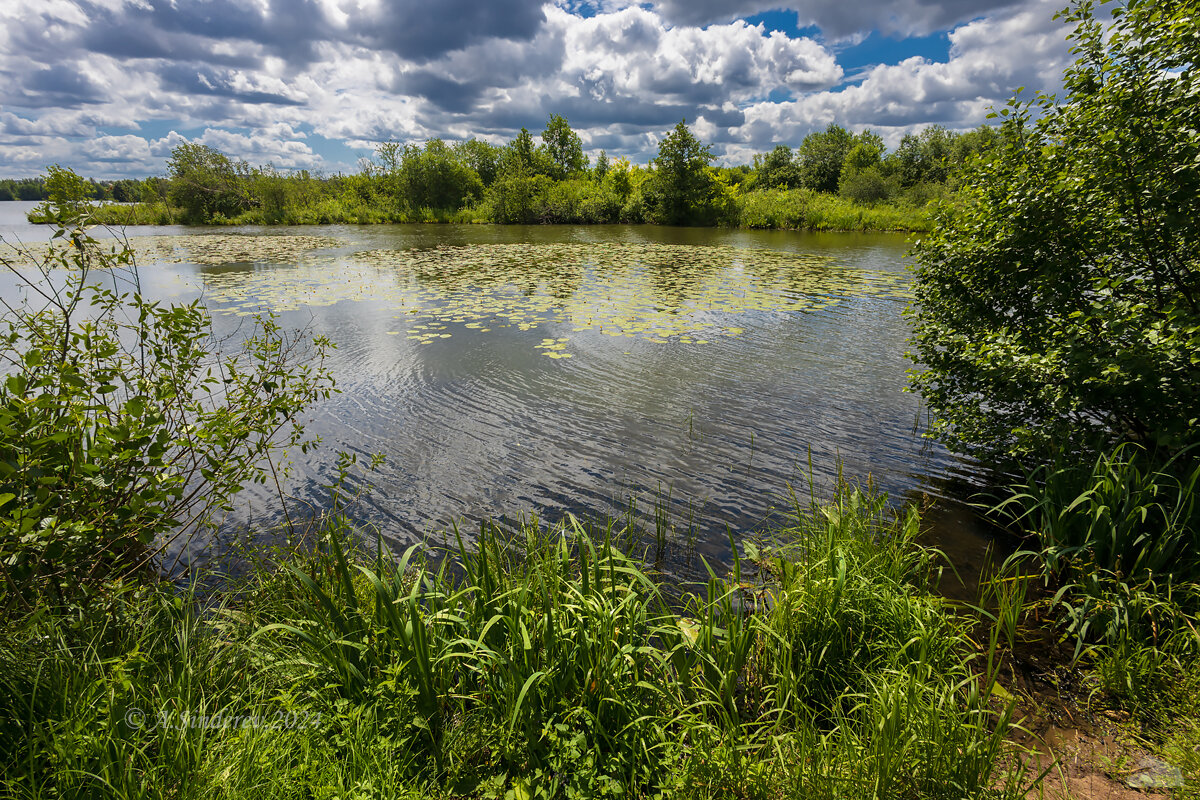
column 109, row 87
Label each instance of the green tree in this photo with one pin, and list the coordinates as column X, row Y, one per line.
column 435, row 178
column 127, row 190
column 519, row 152
column 68, row 195
column 518, row 195
column 206, row 182
column 1058, row 300
column 682, row 187
column 924, row 157
column 863, row 179
column 821, row 156
column 601, row 168
column 122, row 428
column 564, row 147
column 480, row 156
column 777, row 169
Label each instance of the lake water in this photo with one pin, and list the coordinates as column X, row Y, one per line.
column 504, row 370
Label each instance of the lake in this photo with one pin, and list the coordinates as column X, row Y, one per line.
column 688, row 375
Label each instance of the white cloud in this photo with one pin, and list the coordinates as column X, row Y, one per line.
column 79, row 79
column 840, row 20
column 989, row 59
column 634, row 52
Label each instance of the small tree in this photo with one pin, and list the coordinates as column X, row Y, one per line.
column 862, row 179
column 682, row 188
column 480, row 156
column 821, row 156
column 777, row 169
column 1058, row 300
column 564, row 147
column 68, row 194
column 205, row 182
column 601, row 168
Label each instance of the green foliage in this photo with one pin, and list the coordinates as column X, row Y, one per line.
column 863, row 179
column 601, row 169
column 520, row 155
column 924, row 158
column 803, row 209
column 1058, row 299
column 480, row 156
column 206, row 183
column 518, row 195
column 549, row 665
column 122, row 428
column 126, row 190
column 564, row 147
column 581, row 202
column 821, row 156
column 434, row 177
column 1120, row 514
column 1119, row 537
column 777, row 169
column 474, row 181
column 864, row 155
column 682, row 191
column 23, row 189
column 68, row 195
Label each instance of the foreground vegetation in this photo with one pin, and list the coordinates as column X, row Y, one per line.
column 551, row 665
column 835, row 180
column 1057, row 316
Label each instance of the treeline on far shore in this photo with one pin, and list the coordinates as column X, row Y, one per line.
column 124, row 190
column 834, row 180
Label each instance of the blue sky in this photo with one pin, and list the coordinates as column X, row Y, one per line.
column 109, row 87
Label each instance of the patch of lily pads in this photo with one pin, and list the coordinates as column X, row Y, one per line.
column 690, row 294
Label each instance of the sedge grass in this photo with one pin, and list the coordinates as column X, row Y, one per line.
column 547, row 665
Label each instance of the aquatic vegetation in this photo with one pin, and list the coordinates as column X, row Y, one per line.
column 218, row 249
column 686, row 294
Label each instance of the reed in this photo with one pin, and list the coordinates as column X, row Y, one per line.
column 550, row 663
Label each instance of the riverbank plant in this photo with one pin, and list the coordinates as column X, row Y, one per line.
column 123, row 428
column 546, row 664
column 845, row 182
column 1057, row 321
column 804, row 209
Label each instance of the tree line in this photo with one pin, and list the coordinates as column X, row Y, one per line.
column 834, row 178
column 125, row 190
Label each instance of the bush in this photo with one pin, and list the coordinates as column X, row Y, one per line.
column 122, row 427
column 867, row 186
column 1058, row 300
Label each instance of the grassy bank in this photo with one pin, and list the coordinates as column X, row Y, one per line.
column 804, row 209
column 567, row 202
column 550, row 666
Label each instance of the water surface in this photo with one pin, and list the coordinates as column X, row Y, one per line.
column 543, row 370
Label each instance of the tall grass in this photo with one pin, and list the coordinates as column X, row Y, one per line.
column 565, row 202
column 1119, row 538
column 803, row 209
column 552, row 664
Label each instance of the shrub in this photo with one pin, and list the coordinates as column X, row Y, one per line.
column 122, row 426
column 1058, row 300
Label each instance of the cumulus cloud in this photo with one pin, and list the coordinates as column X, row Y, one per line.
column 989, row 60
column 841, row 20
column 82, row 82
